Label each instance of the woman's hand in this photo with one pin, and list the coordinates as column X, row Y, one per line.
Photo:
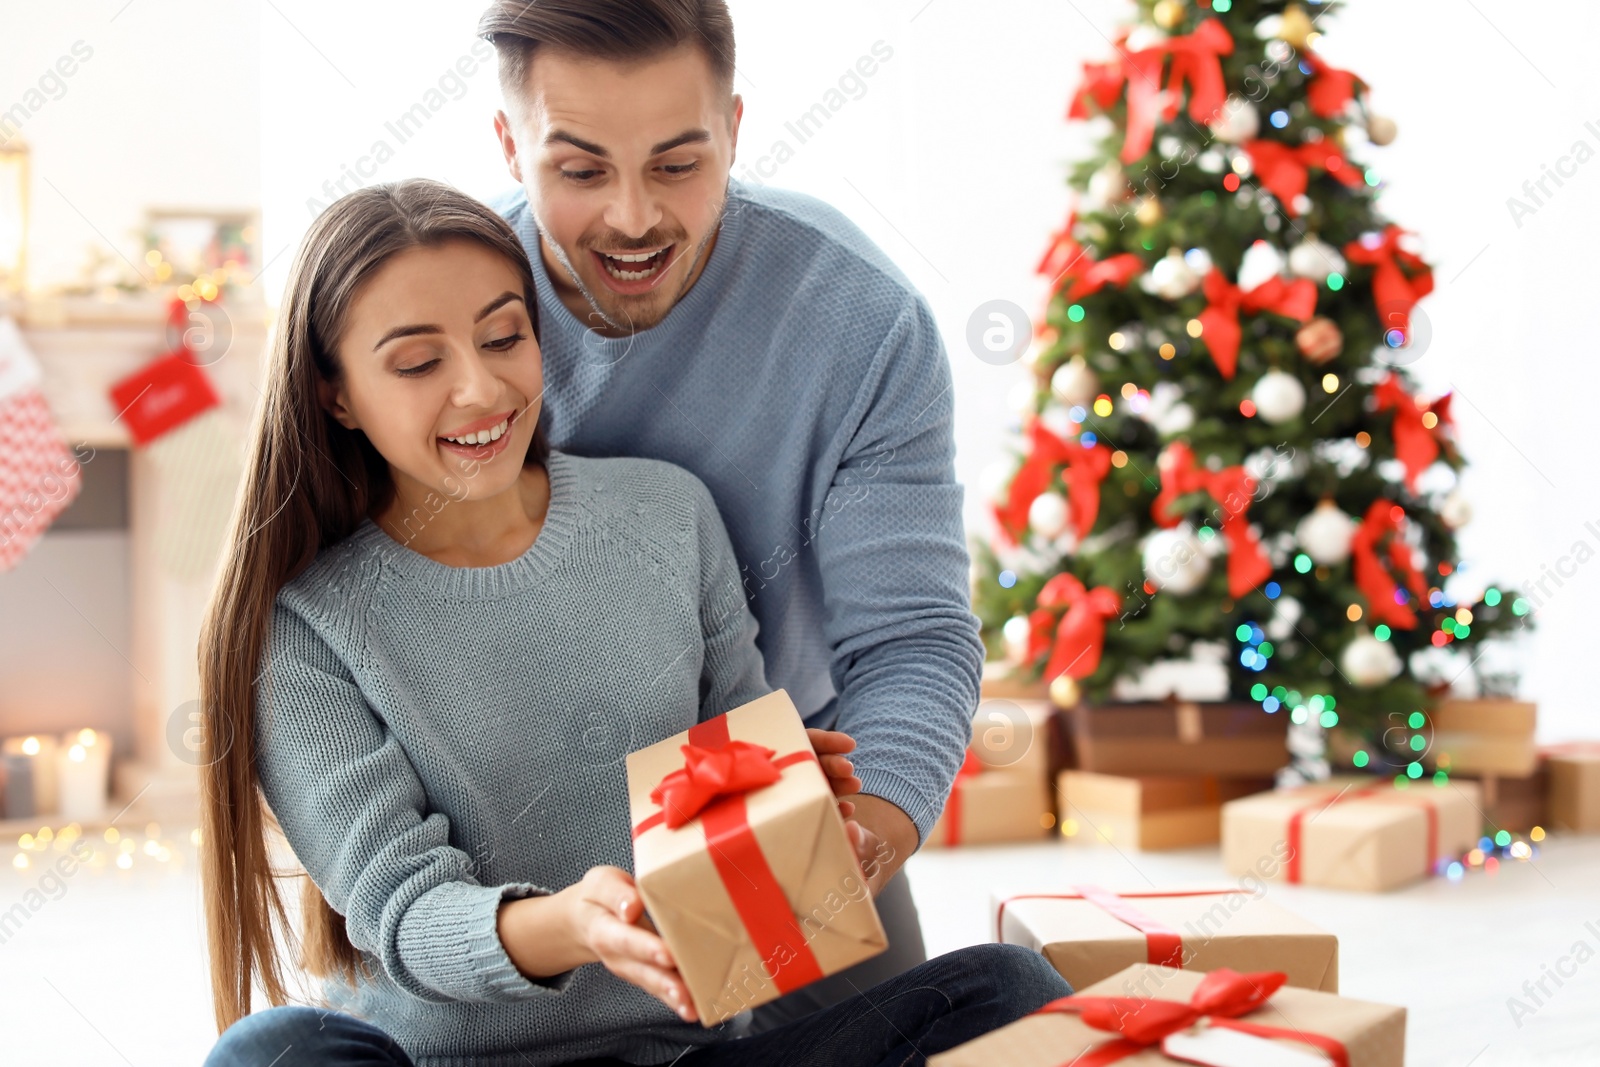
column 830, row 746
column 606, row 910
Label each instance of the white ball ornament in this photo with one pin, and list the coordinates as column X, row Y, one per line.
column 1047, row 515
column 1016, row 632
column 1108, row 185
column 1279, row 397
column 1367, row 662
column 1239, row 121
column 1172, row 278
column 1316, row 260
column 1381, row 130
column 1325, row 534
column 1456, row 511
column 1074, row 383
column 1174, row 560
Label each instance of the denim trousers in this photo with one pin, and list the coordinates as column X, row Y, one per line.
column 899, row 1022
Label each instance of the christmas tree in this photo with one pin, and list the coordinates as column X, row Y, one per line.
column 1225, row 460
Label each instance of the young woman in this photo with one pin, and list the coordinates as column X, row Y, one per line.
column 433, row 643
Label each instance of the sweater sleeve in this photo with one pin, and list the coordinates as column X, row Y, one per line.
column 354, row 811
column 906, row 653
column 732, row 669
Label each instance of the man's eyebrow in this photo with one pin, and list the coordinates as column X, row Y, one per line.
column 695, row 136
column 425, row 328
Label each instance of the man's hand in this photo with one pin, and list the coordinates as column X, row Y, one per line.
column 883, row 836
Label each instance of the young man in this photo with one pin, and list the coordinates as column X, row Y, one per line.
column 757, row 338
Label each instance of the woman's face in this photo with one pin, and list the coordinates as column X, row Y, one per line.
column 439, row 344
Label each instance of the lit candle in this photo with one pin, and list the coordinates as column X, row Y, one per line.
column 83, row 766
column 30, row 766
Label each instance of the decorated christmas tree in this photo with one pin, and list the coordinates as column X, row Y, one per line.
column 1226, row 465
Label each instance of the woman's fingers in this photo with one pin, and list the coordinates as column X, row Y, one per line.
column 826, row 741
column 643, row 959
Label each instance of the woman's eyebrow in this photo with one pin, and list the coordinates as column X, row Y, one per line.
column 425, row 327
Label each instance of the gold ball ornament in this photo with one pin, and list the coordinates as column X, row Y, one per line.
column 1320, row 340
column 1296, row 27
column 1168, row 13
column 1381, row 130
column 1149, row 212
column 1064, row 691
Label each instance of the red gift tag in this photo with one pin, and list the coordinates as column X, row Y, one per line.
column 161, row 396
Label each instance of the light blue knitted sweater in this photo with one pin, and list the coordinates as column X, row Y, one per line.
column 434, row 739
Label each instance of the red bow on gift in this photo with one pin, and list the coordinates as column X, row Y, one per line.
column 1196, row 59
column 1085, row 467
column 734, row 767
column 1222, row 996
column 1399, row 278
column 1385, row 519
column 1080, row 635
column 1219, row 322
column 1330, row 89
column 1230, row 487
column 1284, row 171
column 1415, row 444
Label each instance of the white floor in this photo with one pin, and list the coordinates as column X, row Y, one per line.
column 108, row 967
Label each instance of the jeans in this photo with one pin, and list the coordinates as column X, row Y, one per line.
column 899, row 1022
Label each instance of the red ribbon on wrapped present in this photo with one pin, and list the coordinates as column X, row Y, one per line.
column 1084, row 468
column 1330, row 89
column 1399, row 278
column 711, row 787
column 1163, row 945
column 970, row 768
column 1285, row 171
column 1415, row 444
column 1233, row 489
column 1222, row 996
column 1384, row 520
column 1294, row 837
column 1079, row 636
column 1219, row 322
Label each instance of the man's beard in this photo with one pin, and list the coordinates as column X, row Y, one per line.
column 629, row 326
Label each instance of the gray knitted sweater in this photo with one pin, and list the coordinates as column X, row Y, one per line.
column 435, row 739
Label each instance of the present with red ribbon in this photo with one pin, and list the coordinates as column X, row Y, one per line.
column 1147, row 1014
column 991, row 805
column 1147, row 812
column 1353, row 833
column 1236, row 739
column 1574, row 790
column 741, row 856
column 1485, row 735
column 1089, row 933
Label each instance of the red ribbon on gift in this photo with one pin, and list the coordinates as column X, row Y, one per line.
column 1159, row 949
column 1080, row 634
column 1415, row 445
column 1382, row 794
column 1384, row 520
column 1330, row 89
column 731, row 842
column 1219, row 322
column 1399, row 278
column 1196, row 59
column 970, row 768
column 1222, row 996
column 1233, row 489
column 1085, row 467
column 1285, row 171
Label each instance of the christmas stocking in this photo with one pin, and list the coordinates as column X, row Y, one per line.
column 39, row 474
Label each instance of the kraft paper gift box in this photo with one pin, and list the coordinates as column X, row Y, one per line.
column 1178, row 738
column 759, row 892
column 1487, row 736
column 1017, row 736
column 1511, row 803
column 1574, row 795
column 1365, row 834
column 1090, row 933
column 1301, row 1020
column 992, row 806
column 1147, row 812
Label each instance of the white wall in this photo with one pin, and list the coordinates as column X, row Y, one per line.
column 952, row 159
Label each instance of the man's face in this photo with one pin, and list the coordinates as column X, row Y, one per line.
column 623, row 160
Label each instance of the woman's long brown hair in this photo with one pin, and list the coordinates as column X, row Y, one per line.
column 309, row 482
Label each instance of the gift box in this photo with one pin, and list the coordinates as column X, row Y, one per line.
column 1177, row 737
column 1511, row 803
column 1154, row 1015
column 1489, row 736
column 1147, row 812
column 1017, row 735
column 1574, row 792
column 993, row 806
column 1367, row 834
column 741, row 857
column 1090, row 933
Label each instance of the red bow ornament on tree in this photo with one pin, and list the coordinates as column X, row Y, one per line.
column 1285, row 172
column 1085, row 467
column 1091, row 276
column 1417, row 426
column 1384, row 602
column 1399, row 278
column 1330, row 89
column 1080, row 636
column 1063, row 252
column 1233, row 489
column 735, row 767
column 1219, row 322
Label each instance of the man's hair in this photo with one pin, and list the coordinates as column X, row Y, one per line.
column 618, row 30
